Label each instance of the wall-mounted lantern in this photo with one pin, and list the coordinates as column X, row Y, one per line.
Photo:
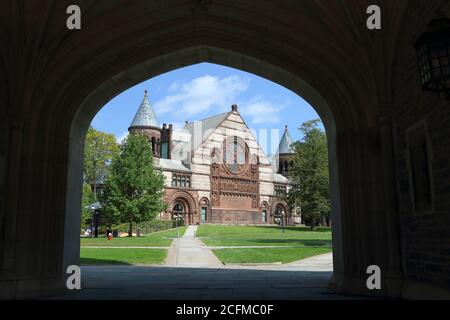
column 433, row 56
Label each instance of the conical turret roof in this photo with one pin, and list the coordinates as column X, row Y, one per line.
column 145, row 117
column 285, row 146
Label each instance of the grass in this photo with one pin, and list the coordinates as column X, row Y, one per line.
column 125, row 256
column 267, row 255
column 159, row 239
column 217, row 235
column 306, row 243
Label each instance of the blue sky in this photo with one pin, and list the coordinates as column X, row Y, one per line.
column 203, row 90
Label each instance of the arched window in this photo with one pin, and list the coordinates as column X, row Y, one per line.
column 235, row 155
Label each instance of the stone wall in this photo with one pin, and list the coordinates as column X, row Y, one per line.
column 236, row 217
column 425, row 235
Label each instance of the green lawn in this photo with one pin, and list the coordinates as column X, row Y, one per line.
column 268, row 255
column 127, row 256
column 216, row 235
column 159, row 239
column 306, row 243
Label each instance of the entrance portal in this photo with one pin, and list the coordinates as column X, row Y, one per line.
column 181, row 213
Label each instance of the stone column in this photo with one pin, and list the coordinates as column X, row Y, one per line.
column 394, row 275
column 12, row 136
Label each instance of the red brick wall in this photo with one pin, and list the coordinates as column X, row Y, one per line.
column 236, row 217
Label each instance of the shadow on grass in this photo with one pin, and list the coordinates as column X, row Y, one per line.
column 293, row 242
column 100, row 262
column 300, row 229
column 306, row 243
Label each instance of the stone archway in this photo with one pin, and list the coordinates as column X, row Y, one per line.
column 228, row 57
column 279, row 210
column 45, row 122
column 180, row 211
column 188, row 205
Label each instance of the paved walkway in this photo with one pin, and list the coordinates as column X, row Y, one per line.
column 188, row 283
column 188, row 251
column 192, row 271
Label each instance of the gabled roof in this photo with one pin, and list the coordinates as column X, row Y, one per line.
column 285, row 145
column 278, row 178
column 145, row 117
column 207, row 127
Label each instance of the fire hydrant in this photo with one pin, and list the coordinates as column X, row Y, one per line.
column 110, row 236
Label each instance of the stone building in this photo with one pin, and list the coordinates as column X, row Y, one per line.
column 388, row 138
column 215, row 170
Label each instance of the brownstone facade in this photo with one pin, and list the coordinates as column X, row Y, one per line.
column 229, row 177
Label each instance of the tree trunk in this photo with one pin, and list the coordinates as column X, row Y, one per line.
column 130, row 231
column 313, row 224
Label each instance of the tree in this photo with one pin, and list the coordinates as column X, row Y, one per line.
column 309, row 174
column 134, row 188
column 100, row 148
column 88, row 199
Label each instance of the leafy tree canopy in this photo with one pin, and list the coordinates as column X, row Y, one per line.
column 88, row 199
column 100, row 148
column 309, row 174
column 134, row 188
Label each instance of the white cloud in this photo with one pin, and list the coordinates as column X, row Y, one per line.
column 201, row 94
column 260, row 110
column 174, row 87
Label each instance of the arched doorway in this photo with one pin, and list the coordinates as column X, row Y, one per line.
column 280, row 215
column 205, row 210
column 182, row 204
column 265, row 213
column 181, row 210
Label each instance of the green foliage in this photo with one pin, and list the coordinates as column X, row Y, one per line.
column 100, row 148
column 88, row 199
column 134, row 188
column 309, row 172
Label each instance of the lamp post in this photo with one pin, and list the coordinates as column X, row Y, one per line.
column 177, row 212
column 433, row 57
column 92, row 220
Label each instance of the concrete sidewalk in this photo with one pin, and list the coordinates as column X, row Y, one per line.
column 188, row 251
column 192, row 271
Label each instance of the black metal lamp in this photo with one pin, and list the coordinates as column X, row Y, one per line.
column 433, row 56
